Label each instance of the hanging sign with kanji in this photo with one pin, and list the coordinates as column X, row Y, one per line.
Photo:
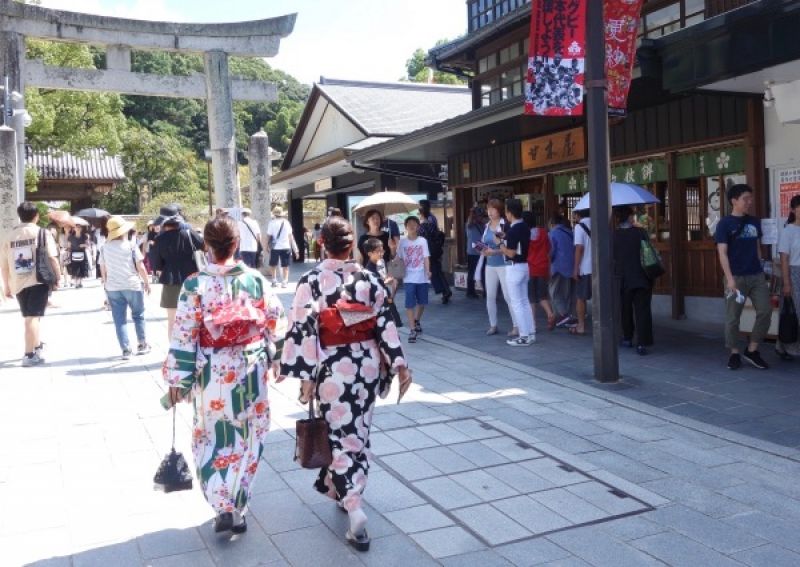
column 554, row 82
column 560, row 147
column 622, row 24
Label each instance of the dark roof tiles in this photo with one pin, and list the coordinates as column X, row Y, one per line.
column 96, row 165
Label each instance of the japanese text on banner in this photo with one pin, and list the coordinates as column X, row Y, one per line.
column 554, row 82
column 622, row 23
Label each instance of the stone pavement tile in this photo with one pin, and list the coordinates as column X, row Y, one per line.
column 513, row 449
column 553, row 472
column 754, row 473
column 479, row 454
column 35, row 545
column 568, row 442
column 569, row 562
column 491, row 524
column 314, row 546
column 391, row 420
column 698, row 498
column 192, row 559
column 718, row 535
column 125, row 554
column 618, row 443
column 483, row 485
column 418, row 412
column 477, row 559
column 624, row 467
column 516, row 418
column 519, row 478
column 419, row 519
column 337, row 520
column 764, row 499
column 600, row 495
column 769, row 554
column 485, row 405
column 533, row 552
column 281, row 511
column 445, row 542
column 385, row 493
column 280, row 456
column 693, row 454
column 527, row 406
column 475, row 430
column 678, row 550
column 447, row 493
column 634, row 432
column 268, row 480
column 535, row 517
column 382, row 444
column 52, row 562
column 631, row 489
column 412, row 439
column 445, row 459
column 595, row 546
column 395, row 551
column 566, row 504
column 410, row 466
column 458, row 411
column 444, row 433
column 768, row 527
column 632, row 527
column 715, row 479
column 770, row 462
column 169, row 542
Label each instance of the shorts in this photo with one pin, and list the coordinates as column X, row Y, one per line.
column 538, row 289
column 583, row 287
column 282, row 256
column 33, row 300
column 416, row 294
column 169, row 296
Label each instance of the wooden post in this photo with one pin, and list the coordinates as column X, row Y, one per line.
column 676, row 229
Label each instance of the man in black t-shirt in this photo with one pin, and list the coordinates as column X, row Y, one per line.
column 739, row 247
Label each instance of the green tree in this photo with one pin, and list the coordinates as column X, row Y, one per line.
column 72, row 121
column 418, row 72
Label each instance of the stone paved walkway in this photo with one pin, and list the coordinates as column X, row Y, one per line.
column 486, row 462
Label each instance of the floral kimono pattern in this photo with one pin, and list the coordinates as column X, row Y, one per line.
column 350, row 377
column 228, row 385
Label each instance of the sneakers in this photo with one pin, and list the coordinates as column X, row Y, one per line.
column 126, row 354
column 735, row 362
column 754, row 358
column 274, row 283
column 412, row 337
column 284, row 284
column 143, row 348
column 522, row 341
column 33, row 360
column 39, row 350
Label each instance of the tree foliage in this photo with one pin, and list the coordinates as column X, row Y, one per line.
column 418, row 72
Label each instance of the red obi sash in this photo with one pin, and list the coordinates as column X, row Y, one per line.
column 347, row 322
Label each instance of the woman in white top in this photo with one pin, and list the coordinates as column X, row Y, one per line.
column 495, row 264
column 789, row 249
column 125, row 281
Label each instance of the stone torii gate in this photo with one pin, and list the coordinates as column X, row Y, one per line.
column 119, row 36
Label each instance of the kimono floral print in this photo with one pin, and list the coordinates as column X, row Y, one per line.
column 350, row 375
column 227, row 384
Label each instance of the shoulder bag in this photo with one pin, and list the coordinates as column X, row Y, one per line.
column 650, row 258
column 396, row 268
column 200, row 257
column 44, row 269
column 272, row 239
column 259, row 247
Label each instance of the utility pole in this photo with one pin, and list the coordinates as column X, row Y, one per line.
column 604, row 303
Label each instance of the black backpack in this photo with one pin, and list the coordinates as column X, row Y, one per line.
column 44, row 270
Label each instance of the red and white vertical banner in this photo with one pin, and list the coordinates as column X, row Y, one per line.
column 622, row 25
column 556, row 58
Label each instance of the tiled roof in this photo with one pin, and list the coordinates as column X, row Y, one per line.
column 394, row 109
column 96, row 165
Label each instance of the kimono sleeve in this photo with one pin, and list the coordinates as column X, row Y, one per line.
column 276, row 325
column 386, row 331
column 183, row 364
column 300, row 354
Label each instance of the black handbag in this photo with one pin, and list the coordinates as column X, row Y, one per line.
column 44, row 269
column 173, row 473
column 787, row 322
column 312, row 446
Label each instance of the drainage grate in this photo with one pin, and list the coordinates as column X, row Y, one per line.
column 499, row 488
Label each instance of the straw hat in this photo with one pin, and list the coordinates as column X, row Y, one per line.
column 117, row 226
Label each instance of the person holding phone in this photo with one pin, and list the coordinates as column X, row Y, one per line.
column 495, row 262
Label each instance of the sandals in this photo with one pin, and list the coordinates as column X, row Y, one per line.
column 492, row 331
column 513, row 333
column 360, row 542
column 576, row 332
column 551, row 322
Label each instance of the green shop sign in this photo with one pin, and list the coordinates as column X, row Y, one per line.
column 639, row 173
column 713, row 162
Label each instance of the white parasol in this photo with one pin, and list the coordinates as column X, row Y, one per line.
column 622, row 194
column 388, row 203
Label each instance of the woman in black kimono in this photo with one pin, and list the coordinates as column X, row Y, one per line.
column 78, row 256
column 349, row 376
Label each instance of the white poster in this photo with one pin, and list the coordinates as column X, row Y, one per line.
column 769, row 231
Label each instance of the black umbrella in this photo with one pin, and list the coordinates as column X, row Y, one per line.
column 92, row 213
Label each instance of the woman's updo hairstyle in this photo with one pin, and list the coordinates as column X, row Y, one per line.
column 337, row 235
column 221, row 235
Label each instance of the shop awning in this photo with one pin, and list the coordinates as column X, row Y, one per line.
column 640, row 172
column 710, row 162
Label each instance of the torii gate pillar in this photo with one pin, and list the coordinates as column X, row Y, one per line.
column 221, row 130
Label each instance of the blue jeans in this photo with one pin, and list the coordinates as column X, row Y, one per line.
column 119, row 302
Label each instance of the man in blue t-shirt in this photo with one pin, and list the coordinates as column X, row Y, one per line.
column 739, row 247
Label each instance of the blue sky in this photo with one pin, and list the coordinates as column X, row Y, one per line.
column 345, row 39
